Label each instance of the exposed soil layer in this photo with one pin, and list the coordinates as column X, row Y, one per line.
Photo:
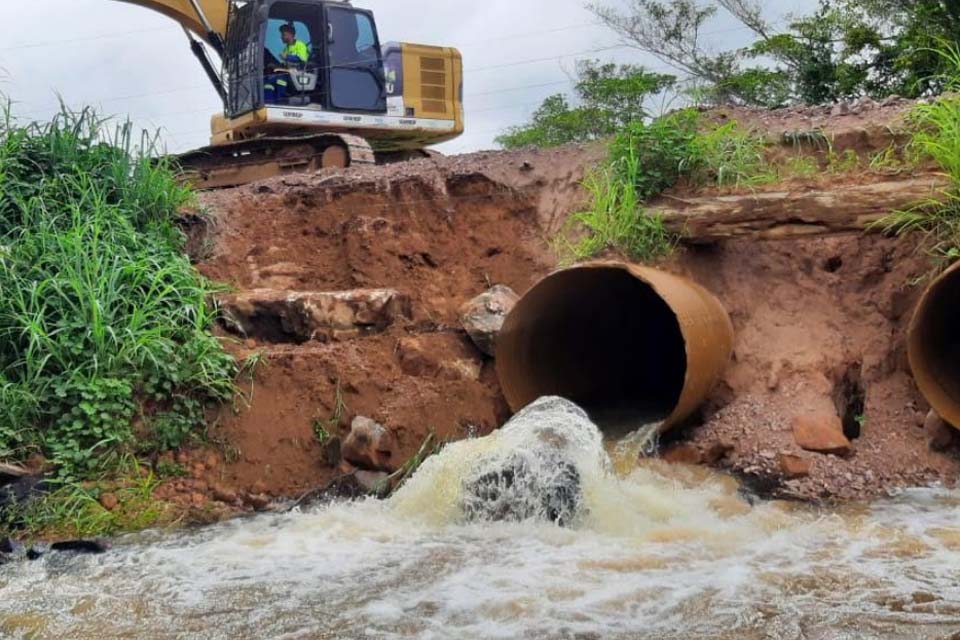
column 820, row 323
column 820, row 331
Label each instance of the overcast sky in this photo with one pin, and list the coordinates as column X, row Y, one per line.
column 129, row 61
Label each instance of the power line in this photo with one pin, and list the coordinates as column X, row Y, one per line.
column 103, row 36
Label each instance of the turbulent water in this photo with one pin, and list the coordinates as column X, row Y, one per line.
column 656, row 551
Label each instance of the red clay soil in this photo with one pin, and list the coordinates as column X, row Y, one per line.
column 818, row 322
column 438, row 232
column 820, row 330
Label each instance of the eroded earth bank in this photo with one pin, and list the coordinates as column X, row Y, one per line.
column 347, row 288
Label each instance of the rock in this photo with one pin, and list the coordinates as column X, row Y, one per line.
column 683, row 454
column 90, row 547
column 223, row 494
column 821, row 433
column 794, row 466
column 370, row 446
column 299, row 316
column 940, row 435
column 483, row 316
column 109, row 501
column 533, row 471
column 891, row 100
column 374, row 482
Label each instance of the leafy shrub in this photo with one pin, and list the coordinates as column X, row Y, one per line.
column 607, row 98
column 102, row 317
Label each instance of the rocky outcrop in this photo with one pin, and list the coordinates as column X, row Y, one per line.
column 483, row 317
column 300, row 316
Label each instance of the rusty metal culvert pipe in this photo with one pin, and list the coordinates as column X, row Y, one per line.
column 628, row 343
column 933, row 345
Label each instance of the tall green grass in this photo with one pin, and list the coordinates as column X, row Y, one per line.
column 936, row 135
column 105, row 341
column 644, row 160
column 616, row 219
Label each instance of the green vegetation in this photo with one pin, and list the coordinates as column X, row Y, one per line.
column 608, row 98
column 936, row 127
column 105, row 343
column 322, row 428
column 76, row 510
column 644, row 160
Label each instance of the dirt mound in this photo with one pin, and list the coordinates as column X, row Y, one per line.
column 820, row 320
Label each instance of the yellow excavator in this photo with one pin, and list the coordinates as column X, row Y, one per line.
column 347, row 99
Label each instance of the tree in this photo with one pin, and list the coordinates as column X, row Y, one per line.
column 608, row 97
column 847, row 48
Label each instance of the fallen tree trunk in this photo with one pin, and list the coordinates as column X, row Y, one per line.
column 786, row 214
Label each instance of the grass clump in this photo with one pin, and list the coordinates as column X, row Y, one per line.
column 730, row 156
column 647, row 158
column 936, row 135
column 105, row 343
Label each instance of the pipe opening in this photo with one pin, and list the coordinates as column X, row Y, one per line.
column 600, row 337
column 934, row 345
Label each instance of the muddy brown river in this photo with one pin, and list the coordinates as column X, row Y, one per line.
column 661, row 552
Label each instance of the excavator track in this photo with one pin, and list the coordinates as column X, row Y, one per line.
column 240, row 163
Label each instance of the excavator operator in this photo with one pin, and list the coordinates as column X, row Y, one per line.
column 294, row 53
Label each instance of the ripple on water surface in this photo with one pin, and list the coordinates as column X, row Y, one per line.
column 660, row 552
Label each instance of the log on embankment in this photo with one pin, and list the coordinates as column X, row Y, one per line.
column 788, row 214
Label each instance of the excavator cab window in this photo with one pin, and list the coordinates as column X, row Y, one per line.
column 354, row 61
column 304, row 81
column 345, row 60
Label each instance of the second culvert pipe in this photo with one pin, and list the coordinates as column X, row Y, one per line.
column 628, row 343
column 933, row 345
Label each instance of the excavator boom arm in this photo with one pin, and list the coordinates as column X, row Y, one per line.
column 206, row 18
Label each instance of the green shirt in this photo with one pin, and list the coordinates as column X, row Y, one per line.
column 296, row 48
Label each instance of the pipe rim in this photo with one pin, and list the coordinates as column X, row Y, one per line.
column 700, row 371
column 940, row 400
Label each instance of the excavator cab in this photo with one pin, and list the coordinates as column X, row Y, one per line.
column 352, row 101
column 343, row 73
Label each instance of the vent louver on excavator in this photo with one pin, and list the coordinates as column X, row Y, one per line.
column 433, row 79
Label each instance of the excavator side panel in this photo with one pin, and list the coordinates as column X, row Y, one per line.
column 433, row 82
column 182, row 11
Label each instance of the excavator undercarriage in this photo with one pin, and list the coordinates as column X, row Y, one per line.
column 239, row 163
